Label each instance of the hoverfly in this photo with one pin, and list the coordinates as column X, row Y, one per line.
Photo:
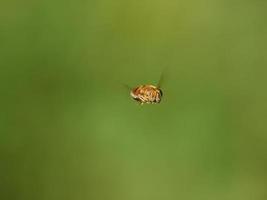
column 149, row 94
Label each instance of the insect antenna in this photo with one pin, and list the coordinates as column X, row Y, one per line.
column 159, row 84
column 126, row 86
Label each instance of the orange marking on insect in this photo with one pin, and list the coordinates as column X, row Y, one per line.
column 149, row 94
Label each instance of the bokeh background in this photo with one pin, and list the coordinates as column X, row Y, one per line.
column 69, row 129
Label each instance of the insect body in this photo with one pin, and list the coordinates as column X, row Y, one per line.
column 147, row 94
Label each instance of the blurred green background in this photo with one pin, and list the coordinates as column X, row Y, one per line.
column 69, row 129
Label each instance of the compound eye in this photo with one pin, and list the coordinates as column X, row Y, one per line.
column 161, row 93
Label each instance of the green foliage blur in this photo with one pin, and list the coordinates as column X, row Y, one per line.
column 69, row 129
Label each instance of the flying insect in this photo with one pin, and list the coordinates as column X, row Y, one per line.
column 147, row 94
